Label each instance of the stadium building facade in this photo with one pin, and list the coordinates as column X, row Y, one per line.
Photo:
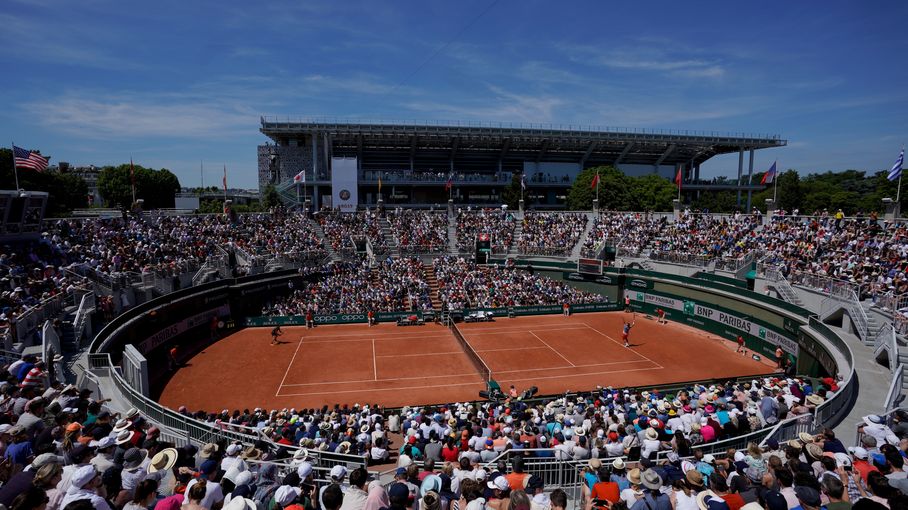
column 347, row 164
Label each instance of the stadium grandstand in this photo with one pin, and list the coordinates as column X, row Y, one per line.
column 136, row 363
column 414, row 162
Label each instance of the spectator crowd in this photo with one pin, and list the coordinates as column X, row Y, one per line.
column 551, row 233
column 464, row 284
column 418, row 231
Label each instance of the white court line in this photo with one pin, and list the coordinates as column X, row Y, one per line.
column 288, row 367
column 553, row 350
column 364, row 338
column 513, row 349
column 418, row 354
column 374, row 361
column 468, row 332
column 469, row 384
column 380, row 380
column 622, row 345
column 591, row 365
column 370, row 335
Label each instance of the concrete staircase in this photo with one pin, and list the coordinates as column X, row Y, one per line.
column 428, row 271
column 333, row 255
column 590, row 221
column 452, row 235
column 513, row 250
column 388, row 234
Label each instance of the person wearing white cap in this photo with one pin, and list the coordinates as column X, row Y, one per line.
column 84, row 484
column 875, row 427
column 103, row 459
column 232, row 458
column 337, row 476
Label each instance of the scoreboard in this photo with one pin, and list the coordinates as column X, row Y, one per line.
column 589, row 266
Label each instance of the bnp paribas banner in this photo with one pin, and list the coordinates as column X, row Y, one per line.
column 696, row 310
column 344, row 184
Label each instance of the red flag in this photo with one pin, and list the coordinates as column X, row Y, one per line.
column 225, row 178
column 595, row 181
column 678, row 178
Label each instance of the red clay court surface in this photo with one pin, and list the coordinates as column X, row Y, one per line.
column 395, row 366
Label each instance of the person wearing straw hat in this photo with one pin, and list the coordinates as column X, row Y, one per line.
column 653, row 498
column 161, row 469
column 629, row 495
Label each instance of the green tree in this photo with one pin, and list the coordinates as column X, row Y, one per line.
column 614, row 190
column 652, row 193
column 270, row 197
column 512, row 193
column 790, row 191
column 156, row 187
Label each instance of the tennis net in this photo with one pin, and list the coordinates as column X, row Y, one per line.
column 481, row 366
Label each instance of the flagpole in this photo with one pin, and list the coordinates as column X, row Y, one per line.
column 132, row 176
column 15, row 168
column 597, row 187
column 898, row 190
column 775, row 185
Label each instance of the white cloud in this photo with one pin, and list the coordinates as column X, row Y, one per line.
column 134, row 117
column 502, row 105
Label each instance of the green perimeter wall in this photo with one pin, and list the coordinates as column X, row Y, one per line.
column 688, row 300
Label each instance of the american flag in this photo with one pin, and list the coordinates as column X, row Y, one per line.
column 29, row 159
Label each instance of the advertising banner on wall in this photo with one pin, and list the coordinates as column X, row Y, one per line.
column 698, row 312
column 344, row 194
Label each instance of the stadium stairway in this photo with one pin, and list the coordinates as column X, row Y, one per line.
column 590, row 221
column 428, row 271
column 513, row 250
column 390, row 241
column 452, row 236
column 333, row 255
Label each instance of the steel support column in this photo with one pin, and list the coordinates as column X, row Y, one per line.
column 750, row 174
column 740, row 174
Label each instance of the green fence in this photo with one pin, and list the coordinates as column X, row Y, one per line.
column 337, row 318
column 546, row 309
column 700, row 275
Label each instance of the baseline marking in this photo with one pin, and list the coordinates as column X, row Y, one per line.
column 298, row 345
column 591, row 365
column 374, row 361
column 553, row 350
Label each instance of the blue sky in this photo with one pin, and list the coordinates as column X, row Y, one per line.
column 172, row 83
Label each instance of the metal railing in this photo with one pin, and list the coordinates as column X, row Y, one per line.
column 101, row 365
column 841, row 401
column 782, row 286
column 83, row 313
column 823, row 283
column 579, row 128
column 885, row 339
column 685, row 259
column 844, row 297
column 544, row 251
column 894, row 396
column 891, row 301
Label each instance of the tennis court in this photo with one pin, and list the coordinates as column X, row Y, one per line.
column 393, row 366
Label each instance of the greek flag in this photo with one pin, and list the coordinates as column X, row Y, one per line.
column 896, row 170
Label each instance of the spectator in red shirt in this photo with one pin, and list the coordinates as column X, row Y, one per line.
column 450, row 452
